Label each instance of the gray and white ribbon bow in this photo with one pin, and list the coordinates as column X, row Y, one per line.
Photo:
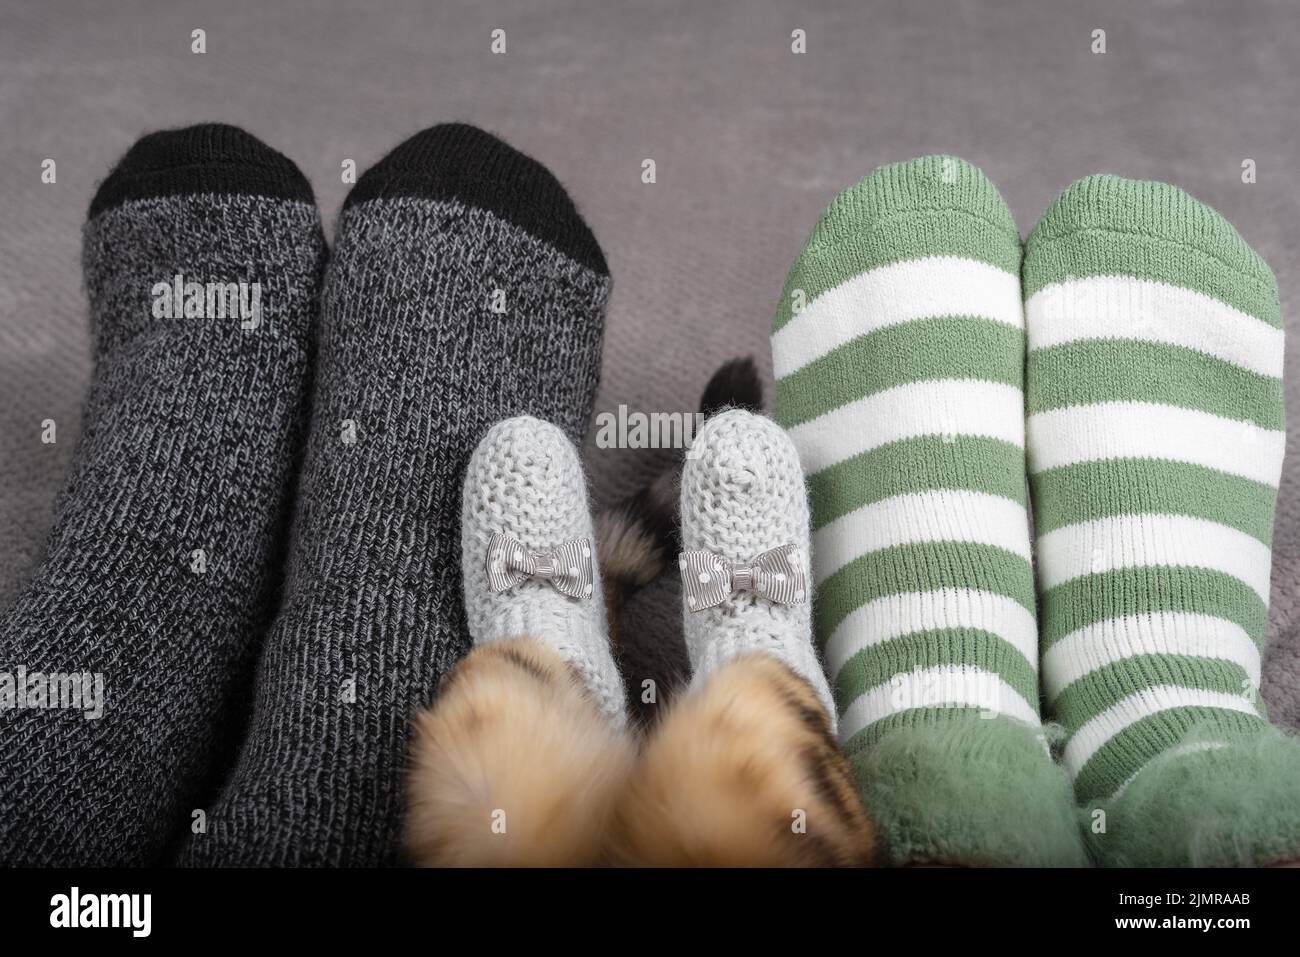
column 568, row 566
column 777, row 575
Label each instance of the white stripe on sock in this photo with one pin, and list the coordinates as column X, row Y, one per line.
column 945, row 686
column 1132, row 541
column 1148, row 430
column 894, row 294
column 1120, row 307
column 1094, row 734
column 947, row 407
column 892, row 616
column 936, row 515
column 1157, row 633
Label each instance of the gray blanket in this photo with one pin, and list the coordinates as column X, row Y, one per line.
column 749, row 140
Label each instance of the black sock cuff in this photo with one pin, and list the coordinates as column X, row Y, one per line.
column 462, row 162
column 209, row 158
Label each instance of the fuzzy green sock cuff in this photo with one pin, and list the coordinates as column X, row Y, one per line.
column 1206, row 804
column 976, row 791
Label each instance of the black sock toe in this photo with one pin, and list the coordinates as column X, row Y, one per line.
column 461, row 162
column 208, row 158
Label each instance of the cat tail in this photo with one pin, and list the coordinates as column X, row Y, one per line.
column 637, row 536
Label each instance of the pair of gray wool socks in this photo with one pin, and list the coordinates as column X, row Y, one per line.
column 464, row 288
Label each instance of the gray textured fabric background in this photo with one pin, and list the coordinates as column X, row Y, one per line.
column 750, row 143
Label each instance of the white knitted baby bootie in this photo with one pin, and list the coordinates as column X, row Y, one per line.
column 745, row 563
column 528, row 553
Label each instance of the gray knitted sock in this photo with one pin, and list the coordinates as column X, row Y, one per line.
column 464, row 289
column 525, row 481
column 742, row 495
column 162, row 567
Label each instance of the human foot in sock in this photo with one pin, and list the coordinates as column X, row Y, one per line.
column 743, row 496
column 520, row 759
column 745, row 770
column 1155, row 440
column 525, row 493
column 162, row 567
column 465, row 289
column 898, row 351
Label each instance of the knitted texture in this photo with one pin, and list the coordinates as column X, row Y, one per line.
column 742, row 494
column 467, row 163
column 1155, row 440
column 162, row 568
column 439, row 319
column 898, row 350
column 525, row 480
column 217, row 158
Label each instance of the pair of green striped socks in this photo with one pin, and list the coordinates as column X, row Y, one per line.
column 1128, row 360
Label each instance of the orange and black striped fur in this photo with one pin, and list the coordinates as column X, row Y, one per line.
column 743, row 772
column 513, row 765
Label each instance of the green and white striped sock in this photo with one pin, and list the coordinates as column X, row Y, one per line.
column 1155, row 442
column 899, row 355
